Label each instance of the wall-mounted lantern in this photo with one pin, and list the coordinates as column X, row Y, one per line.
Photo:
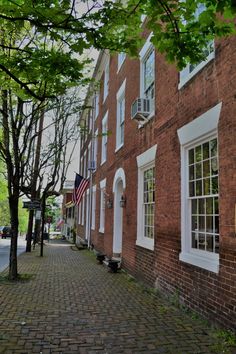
column 109, row 204
column 122, row 201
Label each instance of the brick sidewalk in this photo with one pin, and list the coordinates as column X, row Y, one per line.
column 74, row 305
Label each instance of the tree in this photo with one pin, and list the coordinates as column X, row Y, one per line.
column 73, row 26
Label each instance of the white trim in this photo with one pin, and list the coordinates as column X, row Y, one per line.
column 144, row 161
column 120, row 97
column 106, row 80
column 204, row 124
column 104, row 147
column 121, row 90
column 120, row 62
column 120, row 174
column 147, row 157
column 102, row 214
column 93, row 208
column 200, row 129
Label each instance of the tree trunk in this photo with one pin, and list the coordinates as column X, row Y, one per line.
column 13, row 203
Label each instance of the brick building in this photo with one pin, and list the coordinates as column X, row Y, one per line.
column 163, row 191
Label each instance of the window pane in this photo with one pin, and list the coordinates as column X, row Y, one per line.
column 214, row 166
column 206, row 186
column 194, row 240
column 201, row 242
column 213, row 147
column 209, row 205
column 206, row 168
column 214, row 185
column 216, row 205
column 201, row 206
column 191, row 172
column 198, row 170
column 209, row 224
column 191, row 156
column 149, row 71
column 205, row 151
column 191, row 189
column 199, row 188
column 198, row 153
column 217, row 224
column 201, row 221
column 194, row 206
column 209, row 243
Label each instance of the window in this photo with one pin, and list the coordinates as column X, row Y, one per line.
column 93, row 207
column 95, row 149
column 203, row 195
column 104, row 139
column 199, row 191
column 192, row 69
column 106, row 81
column 96, row 105
column 147, row 79
column 102, row 205
column 121, row 59
column 120, row 116
column 146, row 198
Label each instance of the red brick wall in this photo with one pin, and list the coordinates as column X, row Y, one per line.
column 214, row 295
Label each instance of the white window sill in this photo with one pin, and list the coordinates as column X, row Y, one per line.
column 102, row 163
column 119, row 147
column 146, row 243
column 188, row 77
column 209, row 262
column 101, row 230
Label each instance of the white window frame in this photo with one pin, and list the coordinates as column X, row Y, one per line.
column 89, row 158
column 144, row 161
column 96, row 104
column 95, row 149
column 120, row 60
column 106, row 81
column 85, row 165
column 199, row 130
column 93, row 208
column 143, row 55
column 185, row 75
column 104, row 139
column 102, row 205
column 119, row 98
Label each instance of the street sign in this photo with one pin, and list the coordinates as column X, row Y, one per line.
column 32, row 205
column 38, row 215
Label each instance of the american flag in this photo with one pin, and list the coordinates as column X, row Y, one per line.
column 80, row 186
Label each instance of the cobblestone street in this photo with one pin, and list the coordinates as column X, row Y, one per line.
column 74, row 305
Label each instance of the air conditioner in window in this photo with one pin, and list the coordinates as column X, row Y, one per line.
column 140, row 110
column 91, row 165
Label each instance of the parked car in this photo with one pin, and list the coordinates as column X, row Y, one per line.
column 5, row 231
